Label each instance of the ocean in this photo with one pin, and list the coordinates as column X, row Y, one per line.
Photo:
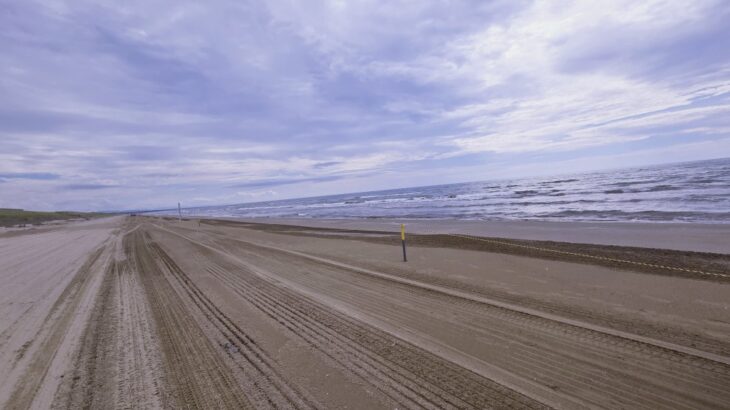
column 684, row 192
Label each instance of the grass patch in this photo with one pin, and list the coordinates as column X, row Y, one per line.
column 13, row 217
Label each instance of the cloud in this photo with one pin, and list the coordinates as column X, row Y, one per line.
column 29, row 175
column 84, row 187
column 163, row 100
column 278, row 182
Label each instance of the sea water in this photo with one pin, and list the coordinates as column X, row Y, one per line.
column 685, row 192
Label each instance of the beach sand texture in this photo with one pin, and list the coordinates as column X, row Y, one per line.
column 139, row 312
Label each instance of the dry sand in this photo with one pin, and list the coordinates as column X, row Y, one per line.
column 680, row 236
column 151, row 313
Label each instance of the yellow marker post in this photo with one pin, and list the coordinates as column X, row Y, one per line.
column 403, row 240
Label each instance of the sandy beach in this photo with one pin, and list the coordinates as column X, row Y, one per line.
column 680, row 236
column 160, row 313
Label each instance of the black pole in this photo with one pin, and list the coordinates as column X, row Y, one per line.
column 403, row 240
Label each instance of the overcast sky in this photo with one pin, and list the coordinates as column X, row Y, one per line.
column 141, row 104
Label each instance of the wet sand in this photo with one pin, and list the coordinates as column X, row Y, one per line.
column 155, row 313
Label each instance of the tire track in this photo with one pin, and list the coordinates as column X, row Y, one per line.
column 269, row 387
column 225, row 242
column 58, row 320
column 409, row 375
column 116, row 363
column 599, row 362
column 197, row 375
column 605, row 362
column 400, row 389
column 590, row 371
column 140, row 380
column 679, row 336
column 90, row 383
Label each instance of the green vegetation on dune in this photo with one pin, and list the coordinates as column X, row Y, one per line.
column 12, row 217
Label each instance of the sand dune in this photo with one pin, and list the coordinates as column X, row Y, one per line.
column 153, row 313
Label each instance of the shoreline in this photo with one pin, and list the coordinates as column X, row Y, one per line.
column 670, row 235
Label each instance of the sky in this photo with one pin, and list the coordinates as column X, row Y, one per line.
column 109, row 105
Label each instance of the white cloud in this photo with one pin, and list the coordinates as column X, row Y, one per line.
column 157, row 98
column 552, row 109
